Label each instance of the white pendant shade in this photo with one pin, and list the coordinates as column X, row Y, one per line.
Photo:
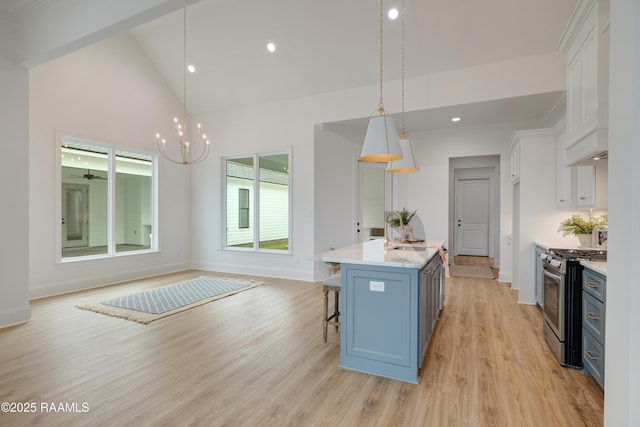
column 381, row 141
column 408, row 161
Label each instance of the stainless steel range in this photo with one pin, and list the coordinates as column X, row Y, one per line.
column 563, row 301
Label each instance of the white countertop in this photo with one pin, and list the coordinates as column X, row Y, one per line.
column 374, row 252
column 562, row 244
column 597, row 266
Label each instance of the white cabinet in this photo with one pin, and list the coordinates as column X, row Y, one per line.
column 586, row 41
column 585, row 186
column 579, row 187
column 564, row 180
column 515, row 163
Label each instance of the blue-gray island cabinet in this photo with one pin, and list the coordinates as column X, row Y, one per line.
column 391, row 299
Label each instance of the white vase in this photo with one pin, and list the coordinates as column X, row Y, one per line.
column 585, row 240
column 406, row 232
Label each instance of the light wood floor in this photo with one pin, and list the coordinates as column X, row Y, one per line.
column 258, row 359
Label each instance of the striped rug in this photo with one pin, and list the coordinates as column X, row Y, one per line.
column 148, row 306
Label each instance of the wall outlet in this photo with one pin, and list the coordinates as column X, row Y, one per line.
column 376, row 286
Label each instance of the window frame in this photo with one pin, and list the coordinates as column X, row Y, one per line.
column 254, row 203
column 113, row 150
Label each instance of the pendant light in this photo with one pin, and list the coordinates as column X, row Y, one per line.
column 381, row 140
column 408, row 162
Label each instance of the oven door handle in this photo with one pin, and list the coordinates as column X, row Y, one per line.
column 553, row 276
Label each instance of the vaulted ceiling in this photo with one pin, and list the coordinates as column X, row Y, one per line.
column 332, row 45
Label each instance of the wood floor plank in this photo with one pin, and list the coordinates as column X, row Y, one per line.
column 258, row 359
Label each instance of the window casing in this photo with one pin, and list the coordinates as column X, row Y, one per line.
column 107, row 200
column 257, row 203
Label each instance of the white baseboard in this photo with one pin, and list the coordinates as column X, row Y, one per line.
column 504, row 277
column 15, row 316
column 102, row 280
column 307, row 276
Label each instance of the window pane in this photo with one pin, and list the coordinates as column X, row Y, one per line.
column 85, row 187
column 239, row 177
column 274, row 202
column 243, row 208
column 134, row 201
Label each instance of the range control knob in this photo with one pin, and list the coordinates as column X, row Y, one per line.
column 556, row 263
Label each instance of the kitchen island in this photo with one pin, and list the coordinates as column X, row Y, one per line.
column 391, row 300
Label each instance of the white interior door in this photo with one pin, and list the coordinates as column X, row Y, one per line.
column 75, row 215
column 371, row 194
column 472, row 216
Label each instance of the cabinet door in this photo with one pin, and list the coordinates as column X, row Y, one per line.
column 539, row 277
column 574, row 96
column 565, row 187
column 515, row 164
column 589, row 53
column 585, row 186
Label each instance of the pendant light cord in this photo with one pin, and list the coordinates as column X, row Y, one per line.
column 184, row 71
column 402, row 130
column 381, row 107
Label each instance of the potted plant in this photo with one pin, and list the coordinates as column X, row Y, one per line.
column 407, row 230
column 581, row 227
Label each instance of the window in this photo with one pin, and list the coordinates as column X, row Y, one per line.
column 243, row 208
column 99, row 218
column 265, row 223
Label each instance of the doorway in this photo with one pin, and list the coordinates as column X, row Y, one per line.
column 372, row 194
column 471, row 230
column 474, row 206
column 75, row 214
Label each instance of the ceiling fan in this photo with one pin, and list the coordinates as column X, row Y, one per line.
column 88, row 176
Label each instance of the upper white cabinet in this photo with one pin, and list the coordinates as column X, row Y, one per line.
column 579, row 187
column 586, row 41
column 585, row 186
column 515, row 161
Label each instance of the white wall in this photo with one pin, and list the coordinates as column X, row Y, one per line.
column 291, row 124
column 14, row 185
column 622, row 371
column 539, row 218
column 109, row 92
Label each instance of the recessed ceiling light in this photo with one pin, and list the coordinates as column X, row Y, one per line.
column 271, row 47
column 191, row 68
column 393, row 13
column 455, row 119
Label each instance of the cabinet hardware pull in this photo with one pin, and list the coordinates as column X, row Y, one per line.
column 590, row 356
column 562, row 200
column 591, row 316
column 593, row 285
column 583, row 198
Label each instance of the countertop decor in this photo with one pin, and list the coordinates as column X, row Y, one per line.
column 582, row 228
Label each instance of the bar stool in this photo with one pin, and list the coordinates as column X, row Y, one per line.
column 331, row 283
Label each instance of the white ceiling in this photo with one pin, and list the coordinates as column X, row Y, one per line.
column 332, row 45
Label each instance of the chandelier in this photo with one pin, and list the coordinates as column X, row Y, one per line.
column 189, row 149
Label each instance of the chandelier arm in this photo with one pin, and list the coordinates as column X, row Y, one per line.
column 203, row 155
column 162, row 151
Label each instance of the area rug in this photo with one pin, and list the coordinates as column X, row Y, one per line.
column 470, row 271
column 145, row 307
